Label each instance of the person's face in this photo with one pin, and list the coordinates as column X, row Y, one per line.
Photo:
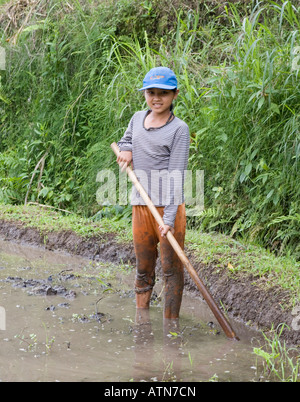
column 160, row 100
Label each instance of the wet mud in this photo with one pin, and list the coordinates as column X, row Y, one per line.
column 69, row 318
column 245, row 302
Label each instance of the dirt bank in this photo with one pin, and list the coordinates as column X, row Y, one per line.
column 243, row 300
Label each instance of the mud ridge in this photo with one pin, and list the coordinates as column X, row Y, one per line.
column 244, row 301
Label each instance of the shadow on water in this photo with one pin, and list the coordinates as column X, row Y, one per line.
column 69, row 319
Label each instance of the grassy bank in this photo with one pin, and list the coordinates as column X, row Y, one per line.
column 69, row 90
column 239, row 260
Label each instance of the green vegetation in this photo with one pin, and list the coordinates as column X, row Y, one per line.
column 47, row 220
column 280, row 362
column 244, row 259
column 69, row 90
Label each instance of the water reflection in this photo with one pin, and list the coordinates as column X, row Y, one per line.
column 133, row 345
column 143, row 338
column 183, row 351
column 146, row 348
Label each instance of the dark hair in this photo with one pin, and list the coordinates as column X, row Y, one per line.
column 172, row 106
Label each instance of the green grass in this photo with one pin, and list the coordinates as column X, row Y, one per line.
column 280, row 362
column 243, row 259
column 47, row 220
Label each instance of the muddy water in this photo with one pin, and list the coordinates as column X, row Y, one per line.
column 69, row 319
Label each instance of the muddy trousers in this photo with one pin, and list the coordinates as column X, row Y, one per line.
column 146, row 237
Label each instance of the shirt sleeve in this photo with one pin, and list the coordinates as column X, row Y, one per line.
column 177, row 166
column 125, row 143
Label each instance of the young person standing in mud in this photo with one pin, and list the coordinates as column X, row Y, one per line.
column 156, row 142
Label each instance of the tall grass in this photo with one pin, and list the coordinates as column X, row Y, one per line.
column 256, row 132
column 280, row 362
column 70, row 90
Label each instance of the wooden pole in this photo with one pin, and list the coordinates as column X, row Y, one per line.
column 205, row 293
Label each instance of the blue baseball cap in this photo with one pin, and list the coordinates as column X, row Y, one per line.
column 160, row 77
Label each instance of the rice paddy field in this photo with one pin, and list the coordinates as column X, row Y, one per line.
column 69, row 87
column 69, row 74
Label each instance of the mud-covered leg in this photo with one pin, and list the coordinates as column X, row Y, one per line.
column 145, row 246
column 174, row 281
column 173, row 268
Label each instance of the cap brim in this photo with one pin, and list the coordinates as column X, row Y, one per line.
column 160, row 86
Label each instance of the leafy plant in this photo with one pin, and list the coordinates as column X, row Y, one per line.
column 279, row 363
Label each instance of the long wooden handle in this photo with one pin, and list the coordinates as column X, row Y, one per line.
column 205, row 293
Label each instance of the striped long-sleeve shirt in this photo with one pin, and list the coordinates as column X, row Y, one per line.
column 160, row 157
